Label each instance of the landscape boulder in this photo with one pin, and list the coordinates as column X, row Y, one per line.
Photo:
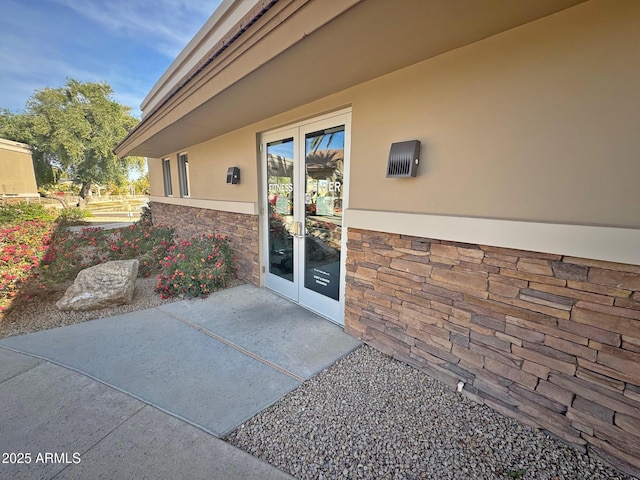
column 104, row 285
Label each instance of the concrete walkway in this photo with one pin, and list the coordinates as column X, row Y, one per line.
column 105, row 224
column 149, row 394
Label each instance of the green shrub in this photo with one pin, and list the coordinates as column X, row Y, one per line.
column 197, row 267
column 69, row 252
column 11, row 213
column 192, row 268
column 145, row 216
column 66, row 255
column 145, row 242
column 73, row 216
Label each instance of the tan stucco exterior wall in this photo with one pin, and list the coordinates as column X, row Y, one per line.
column 208, row 163
column 156, row 184
column 17, row 177
column 235, row 149
column 536, row 124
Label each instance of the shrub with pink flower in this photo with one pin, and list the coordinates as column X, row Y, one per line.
column 22, row 248
column 197, row 267
column 41, row 254
column 71, row 252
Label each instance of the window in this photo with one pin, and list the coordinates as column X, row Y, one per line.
column 166, row 174
column 183, row 174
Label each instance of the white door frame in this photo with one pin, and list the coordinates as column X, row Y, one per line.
column 329, row 308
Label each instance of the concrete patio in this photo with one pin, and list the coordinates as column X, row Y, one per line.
column 148, row 394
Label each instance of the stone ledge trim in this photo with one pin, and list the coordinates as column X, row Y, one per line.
column 247, row 208
column 613, row 244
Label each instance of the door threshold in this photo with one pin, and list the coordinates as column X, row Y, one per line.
column 304, row 306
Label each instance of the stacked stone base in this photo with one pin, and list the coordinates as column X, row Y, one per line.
column 550, row 340
column 240, row 229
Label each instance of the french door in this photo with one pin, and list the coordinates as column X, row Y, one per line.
column 304, row 183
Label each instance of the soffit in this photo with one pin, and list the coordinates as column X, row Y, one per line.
column 306, row 50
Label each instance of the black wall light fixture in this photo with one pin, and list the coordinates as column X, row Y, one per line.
column 233, row 175
column 403, row 159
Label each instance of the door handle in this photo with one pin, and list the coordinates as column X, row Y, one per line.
column 297, row 229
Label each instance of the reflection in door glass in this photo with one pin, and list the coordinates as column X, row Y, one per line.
column 280, row 204
column 324, row 167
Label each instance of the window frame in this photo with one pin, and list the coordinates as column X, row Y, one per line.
column 183, row 174
column 166, row 177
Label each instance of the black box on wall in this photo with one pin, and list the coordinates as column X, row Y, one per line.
column 233, row 175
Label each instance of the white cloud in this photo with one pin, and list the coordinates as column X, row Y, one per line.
column 42, row 42
column 165, row 25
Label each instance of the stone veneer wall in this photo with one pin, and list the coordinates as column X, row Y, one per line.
column 551, row 340
column 241, row 229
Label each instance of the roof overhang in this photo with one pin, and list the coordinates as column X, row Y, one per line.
column 12, row 146
column 284, row 53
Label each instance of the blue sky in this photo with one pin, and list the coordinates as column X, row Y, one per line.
column 126, row 43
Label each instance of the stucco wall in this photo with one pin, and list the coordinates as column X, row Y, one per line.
column 155, row 176
column 536, row 124
column 208, row 163
column 17, row 177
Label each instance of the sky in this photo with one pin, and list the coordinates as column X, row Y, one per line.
column 126, row 43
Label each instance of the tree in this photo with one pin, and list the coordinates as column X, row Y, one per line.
column 142, row 184
column 74, row 129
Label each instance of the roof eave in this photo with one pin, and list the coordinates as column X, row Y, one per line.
column 264, row 67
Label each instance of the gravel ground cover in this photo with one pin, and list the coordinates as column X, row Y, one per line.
column 41, row 313
column 370, row 416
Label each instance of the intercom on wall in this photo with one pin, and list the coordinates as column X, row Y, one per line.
column 233, row 175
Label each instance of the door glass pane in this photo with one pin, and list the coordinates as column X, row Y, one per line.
column 324, row 167
column 280, row 204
